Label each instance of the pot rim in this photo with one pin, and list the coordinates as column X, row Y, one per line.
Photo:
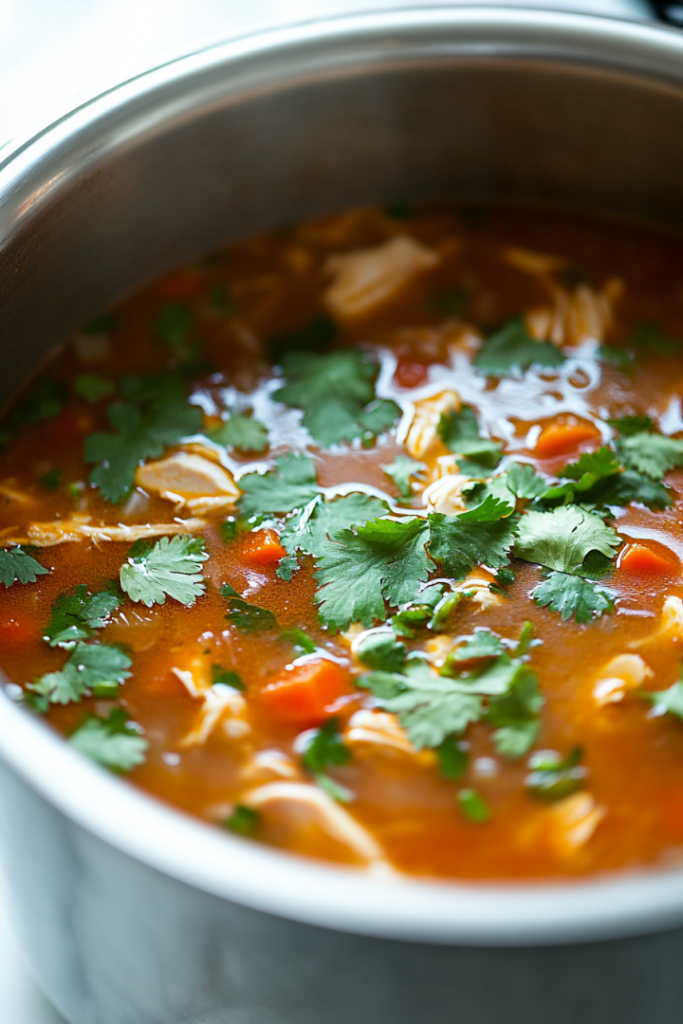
column 166, row 839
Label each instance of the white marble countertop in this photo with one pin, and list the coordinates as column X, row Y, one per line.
column 54, row 54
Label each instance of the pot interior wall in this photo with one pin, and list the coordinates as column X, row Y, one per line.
column 149, row 185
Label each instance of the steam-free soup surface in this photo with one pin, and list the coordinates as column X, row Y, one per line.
column 362, row 539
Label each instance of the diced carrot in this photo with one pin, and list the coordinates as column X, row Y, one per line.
column 563, row 438
column 641, row 560
column 263, row 548
column 305, row 694
column 16, row 633
column 181, row 284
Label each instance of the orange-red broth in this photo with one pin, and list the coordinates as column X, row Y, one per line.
column 634, row 761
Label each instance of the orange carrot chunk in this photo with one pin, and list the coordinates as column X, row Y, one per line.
column 305, row 694
column 263, row 549
column 563, row 438
column 641, row 560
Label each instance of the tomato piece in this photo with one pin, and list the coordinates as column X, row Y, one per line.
column 263, row 549
column 640, row 560
column 305, row 695
column 18, row 632
column 563, row 438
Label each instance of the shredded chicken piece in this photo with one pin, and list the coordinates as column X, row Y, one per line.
column 445, row 495
column 377, row 728
column 337, row 229
column 267, row 765
column 330, row 817
column 620, row 674
column 574, row 820
column 220, row 703
column 437, row 649
column 670, row 625
column 423, row 432
column 478, row 585
column 12, row 494
column 62, row 531
column 537, row 263
column 190, row 481
column 368, row 278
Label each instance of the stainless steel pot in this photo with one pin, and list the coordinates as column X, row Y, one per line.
column 129, row 912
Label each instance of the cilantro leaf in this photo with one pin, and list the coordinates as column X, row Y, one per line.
column 155, row 414
column 173, row 325
column 311, row 531
column 669, row 701
column 250, row 618
column 553, row 777
column 300, row 639
column 16, row 565
column 382, row 651
column 478, row 537
column 572, row 595
column 630, row 486
column 514, row 714
column 524, row 481
column 76, row 616
column 244, row 821
column 96, row 667
column 337, row 395
column 244, row 432
column 226, row 677
column 562, row 538
column 401, row 470
column 383, row 560
column 473, row 807
column 619, row 357
column 483, row 644
column 170, row 567
column 651, row 454
column 292, row 484
column 325, row 748
column 92, row 387
column 112, row 742
column 452, row 755
column 512, row 350
column 459, row 432
column 627, row 425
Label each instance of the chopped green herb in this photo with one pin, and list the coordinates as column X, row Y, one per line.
column 245, row 821
column 155, row 414
column 171, row 567
column 511, row 350
column 452, row 756
column 250, row 618
column 446, row 605
column 325, row 748
column 337, row 395
column 419, row 613
column 571, row 595
column 99, row 668
column 473, row 807
column 315, row 335
column 173, row 326
column 514, row 714
column 480, row 536
column 382, row 651
column 300, row 639
column 459, row 432
column 651, row 454
column 92, row 387
column 51, row 481
column 242, row 432
column 620, row 357
column 525, row 638
column 113, row 742
column 627, row 425
column 401, row 470
column 339, row 793
column 483, row 644
column 226, row 677
column 562, row 538
column 16, row 565
column 524, row 481
column 553, row 777
column 290, row 485
column 668, row 701
column 76, row 616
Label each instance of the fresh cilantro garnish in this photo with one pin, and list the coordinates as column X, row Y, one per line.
column 226, row 677
column 483, row 644
column 242, row 432
column 43, row 401
column 16, row 565
column 244, row 821
column 76, row 616
column 669, row 701
column 311, row 531
column 452, row 756
column 572, row 595
column 173, row 326
column 382, row 560
column 325, row 748
column 553, row 777
column 382, row 651
column 171, row 567
column 95, row 667
column 291, row 484
column 651, row 454
column 627, row 425
column 316, row 334
column 473, row 807
column 477, row 537
column 419, row 613
column 50, row 481
column 401, row 470
column 524, row 481
column 648, row 337
column 562, row 538
column 598, row 479
column 155, row 413
column 511, row 350
column 92, row 387
column 514, row 714
column 113, row 742
column 459, row 432
column 620, row 357
column 337, row 395
column 300, row 639
column 102, row 324
column 250, row 618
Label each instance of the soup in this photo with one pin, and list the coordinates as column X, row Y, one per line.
column 362, row 539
